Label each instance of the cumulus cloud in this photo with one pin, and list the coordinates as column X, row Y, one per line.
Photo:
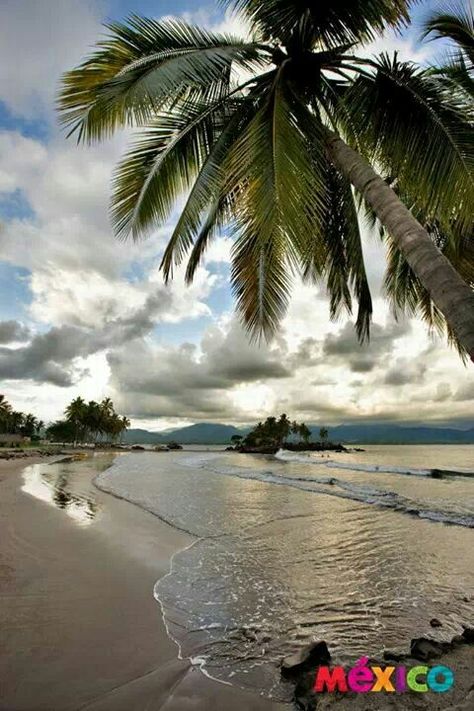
column 11, row 331
column 406, row 372
column 53, row 356
column 363, row 358
column 40, row 41
column 190, row 381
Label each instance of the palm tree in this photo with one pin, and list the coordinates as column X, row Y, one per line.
column 304, row 432
column 16, row 422
column 125, row 425
column 75, row 413
column 5, row 412
column 279, row 155
column 29, row 425
column 323, row 434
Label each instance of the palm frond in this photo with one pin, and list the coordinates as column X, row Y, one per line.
column 279, row 206
column 418, row 135
column 205, row 194
column 161, row 164
column 326, row 22
column 458, row 27
column 144, row 65
column 345, row 269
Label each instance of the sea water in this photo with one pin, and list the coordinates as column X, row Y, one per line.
column 360, row 549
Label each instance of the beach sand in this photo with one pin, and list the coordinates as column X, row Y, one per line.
column 80, row 628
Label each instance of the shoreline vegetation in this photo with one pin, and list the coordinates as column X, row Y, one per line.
column 273, row 434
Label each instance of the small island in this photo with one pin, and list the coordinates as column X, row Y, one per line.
column 281, row 433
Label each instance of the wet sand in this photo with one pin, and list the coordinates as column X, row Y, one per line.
column 80, row 628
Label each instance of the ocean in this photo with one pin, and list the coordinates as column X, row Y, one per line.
column 361, row 549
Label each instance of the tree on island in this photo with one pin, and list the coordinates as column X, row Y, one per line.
column 236, row 440
column 274, row 433
column 323, row 434
column 284, row 136
column 305, row 433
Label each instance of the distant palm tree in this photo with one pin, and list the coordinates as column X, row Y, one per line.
column 16, row 422
column 125, row 425
column 29, row 425
column 323, row 434
column 5, row 412
column 276, row 155
column 75, row 413
column 304, row 432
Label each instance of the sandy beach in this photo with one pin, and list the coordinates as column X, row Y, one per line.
column 80, row 626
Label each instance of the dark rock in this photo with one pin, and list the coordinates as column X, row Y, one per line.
column 390, row 656
column 229, row 449
column 425, row 649
column 457, row 640
column 138, row 448
column 468, row 634
column 435, row 622
column 174, row 446
column 305, row 659
column 304, row 696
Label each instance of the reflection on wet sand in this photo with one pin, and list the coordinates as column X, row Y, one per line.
column 63, row 485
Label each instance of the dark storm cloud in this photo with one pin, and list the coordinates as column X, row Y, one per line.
column 405, row 372
column 226, row 360
column 345, row 347
column 185, row 382
column 465, row 394
column 11, row 331
column 50, row 356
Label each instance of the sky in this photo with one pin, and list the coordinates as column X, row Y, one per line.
column 84, row 314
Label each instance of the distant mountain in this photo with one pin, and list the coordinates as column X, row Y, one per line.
column 210, row 433
column 397, row 434
column 201, row 433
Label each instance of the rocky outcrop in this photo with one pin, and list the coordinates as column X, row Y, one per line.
column 300, row 668
column 305, row 659
column 292, row 447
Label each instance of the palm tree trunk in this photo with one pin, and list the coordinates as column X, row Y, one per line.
column 453, row 297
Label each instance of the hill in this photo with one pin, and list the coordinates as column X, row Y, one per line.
column 213, row 433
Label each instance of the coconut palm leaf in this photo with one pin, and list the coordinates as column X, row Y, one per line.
column 327, row 22
column 205, row 201
column 274, row 166
column 143, row 65
column 457, row 26
column 408, row 296
column 345, row 270
column 414, row 132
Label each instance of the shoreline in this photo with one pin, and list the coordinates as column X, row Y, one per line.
column 81, row 627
